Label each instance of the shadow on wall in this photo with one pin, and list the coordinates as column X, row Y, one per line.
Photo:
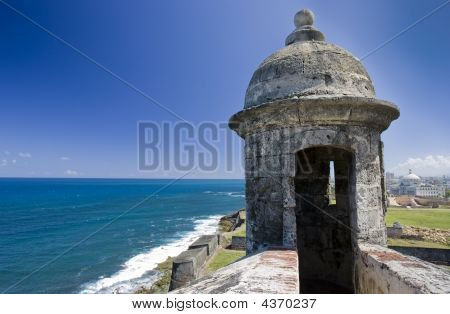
column 324, row 244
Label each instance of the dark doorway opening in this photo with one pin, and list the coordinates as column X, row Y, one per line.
column 324, row 239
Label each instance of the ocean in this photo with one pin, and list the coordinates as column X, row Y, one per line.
column 56, row 235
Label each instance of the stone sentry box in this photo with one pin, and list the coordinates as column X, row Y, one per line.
column 311, row 106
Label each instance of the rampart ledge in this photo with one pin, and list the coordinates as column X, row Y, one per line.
column 272, row 271
column 382, row 270
column 275, row 271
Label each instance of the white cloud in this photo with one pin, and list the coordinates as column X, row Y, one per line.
column 71, row 172
column 6, row 152
column 13, row 161
column 65, row 158
column 428, row 166
column 3, row 163
column 25, row 155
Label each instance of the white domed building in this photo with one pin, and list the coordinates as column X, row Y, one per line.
column 411, row 178
column 409, row 183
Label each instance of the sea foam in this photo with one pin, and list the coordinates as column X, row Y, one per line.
column 138, row 270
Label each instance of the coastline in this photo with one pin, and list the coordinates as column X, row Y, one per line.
column 145, row 269
column 224, row 224
column 58, row 213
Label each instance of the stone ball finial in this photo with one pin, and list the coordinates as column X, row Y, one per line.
column 304, row 31
column 303, row 18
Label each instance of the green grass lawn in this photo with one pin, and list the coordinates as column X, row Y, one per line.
column 425, row 218
column 223, row 258
column 416, row 243
column 428, row 218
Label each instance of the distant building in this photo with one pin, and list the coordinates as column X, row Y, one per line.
column 446, row 182
column 411, row 179
column 413, row 185
column 408, row 185
column 430, row 191
column 404, row 189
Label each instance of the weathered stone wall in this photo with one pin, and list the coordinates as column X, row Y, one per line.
column 382, row 270
column 207, row 241
column 308, row 68
column 237, row 243
column 378, row 270
column 270, row 175
column 271, row 271
column 187, row 266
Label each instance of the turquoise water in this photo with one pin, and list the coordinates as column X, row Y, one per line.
column 41, row 219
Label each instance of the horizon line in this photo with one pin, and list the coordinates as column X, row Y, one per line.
column 121, row 178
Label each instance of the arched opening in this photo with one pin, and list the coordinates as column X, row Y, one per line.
column 324, row 238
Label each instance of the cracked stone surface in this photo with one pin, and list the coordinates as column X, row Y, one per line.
column 382, row 270
column 308, row 68
column 271, row 271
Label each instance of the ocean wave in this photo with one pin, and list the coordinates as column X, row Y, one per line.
column 138, row 271
column 231, row 194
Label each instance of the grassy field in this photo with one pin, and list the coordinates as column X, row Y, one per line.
column 223, row 257
column 423, row 218
column 428, row 218
column 416, row 243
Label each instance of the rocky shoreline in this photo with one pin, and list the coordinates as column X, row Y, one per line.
column 226, row 225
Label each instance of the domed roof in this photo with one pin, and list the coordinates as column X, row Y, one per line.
column 412, row 177
column 308, row 67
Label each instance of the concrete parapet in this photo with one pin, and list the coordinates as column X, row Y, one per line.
column 207, row 241
column 382, row 270
column 187, row 266
column 271, row 271
column 238, row 243
column 221, row 239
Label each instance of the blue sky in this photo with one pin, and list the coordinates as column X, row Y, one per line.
column 60, row 115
